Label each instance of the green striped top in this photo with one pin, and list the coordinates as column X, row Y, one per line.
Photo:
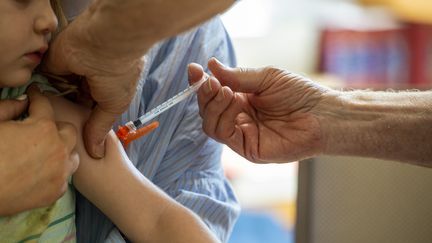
column 55, row 223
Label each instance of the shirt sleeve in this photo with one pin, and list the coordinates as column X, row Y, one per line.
column 191, row 171
column 177, row 157
column 191, row 174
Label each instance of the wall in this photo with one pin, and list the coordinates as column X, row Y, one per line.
column 365, row 200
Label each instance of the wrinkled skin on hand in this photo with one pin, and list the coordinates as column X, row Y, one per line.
column 265, row 115
column 105, row 44
column 111, row 79
column 37, row 157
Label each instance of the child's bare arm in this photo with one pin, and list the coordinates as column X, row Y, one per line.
column 141, row 210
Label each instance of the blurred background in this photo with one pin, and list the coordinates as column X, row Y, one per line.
column 345, row 44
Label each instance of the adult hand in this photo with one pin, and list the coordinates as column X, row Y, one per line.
column 37, row 158
column 11, row 109
column 265, row 115
column 111, row 80
column 105, row 45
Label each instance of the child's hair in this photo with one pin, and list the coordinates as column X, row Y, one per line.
column 62, row 21
column 64, row 85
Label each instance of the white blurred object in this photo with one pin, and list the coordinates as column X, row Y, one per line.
column 249, row 18
column 260, row 185
column 353, row 16
column 282, row 33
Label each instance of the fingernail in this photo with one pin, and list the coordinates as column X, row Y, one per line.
column 100, row 150
column 21, row 97
column 189, row 71
column 218, row 62
column 208, row 88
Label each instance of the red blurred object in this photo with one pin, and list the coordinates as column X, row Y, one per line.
column 389, row 57
column 366, row 56
column 122, row 133
column 126, row 135
column 420, row 40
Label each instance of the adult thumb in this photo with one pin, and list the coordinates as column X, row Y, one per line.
column 95, row 130
column 11, row 109
column 246, row 80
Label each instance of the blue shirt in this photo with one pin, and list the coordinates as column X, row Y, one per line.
column 177, row 157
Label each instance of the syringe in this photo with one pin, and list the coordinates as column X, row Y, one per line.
column 134, row 125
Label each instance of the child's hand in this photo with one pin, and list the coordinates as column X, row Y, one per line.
column 37, row 158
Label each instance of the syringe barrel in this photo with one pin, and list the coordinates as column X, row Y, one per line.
column 169, row 103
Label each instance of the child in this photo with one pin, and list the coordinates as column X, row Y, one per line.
column 137, row 207
column 26, row 28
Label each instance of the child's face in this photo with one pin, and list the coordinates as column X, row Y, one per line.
column 25, row 29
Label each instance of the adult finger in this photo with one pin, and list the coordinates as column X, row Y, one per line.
column 11, row 109
column 195, row 73
column 247, row 80
column 207, row 92
column 71, row 165
column 73, row 162
column 227, row 120
column 95, row 131
column 214, row 109
column 40, row 106
column 68, row 134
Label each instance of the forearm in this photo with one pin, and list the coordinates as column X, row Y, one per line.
column 386, row 125
column 141, row 211
column 129, row 28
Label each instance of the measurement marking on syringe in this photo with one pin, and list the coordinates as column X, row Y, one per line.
column 166, row 105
